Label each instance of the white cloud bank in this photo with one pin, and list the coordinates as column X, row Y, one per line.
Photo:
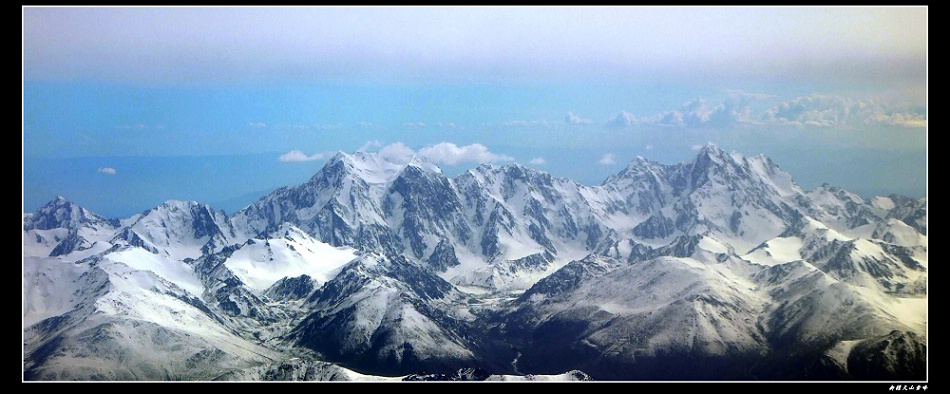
column 623, row 119
column 833, row 110
column 397, row 152
column 451, row 154
column 812, row 110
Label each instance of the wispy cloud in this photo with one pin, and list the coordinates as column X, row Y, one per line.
column 106, row 170
column 607, row 159
column 317, row 126
column 537, row 161
column 368, row 125
column 296, row 155
column 138, row 127
column 526, row 123
column 327, row 126
column 298, row 126
column 574, row 119
column 740, row 95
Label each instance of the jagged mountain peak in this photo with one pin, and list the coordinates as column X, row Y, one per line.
column 62, row 213
column 373, row 167
column 179, row 209
column 182, row 228
column 734, row 169
column 180, row 205
column 520, row 172
column 637, row 168
column 838, row 192
column 712, row 155
column 710, row 148
column 59, row 200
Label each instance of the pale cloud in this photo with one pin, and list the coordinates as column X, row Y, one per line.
column 574, row 119
column 526, row 123
column 697, row 147
column 670, row 119
column 326, row 126
column 365, row 124
column 693, row 114
column 699, row 113
column 256, row 124
column 623, row 119
column 812, row 111
column 416, row 124
column 902, row 119
column 131, row 127
column 397, row 152
column 370, row 145
column 313, row 126
column 296, row 155
column 537, row 161
column 607, row 159
column 740, row 95
column 106, row 170
column 838, row 111
column 451, row 154
column 446, row 43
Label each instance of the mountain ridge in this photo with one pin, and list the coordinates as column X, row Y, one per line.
column 469, row 257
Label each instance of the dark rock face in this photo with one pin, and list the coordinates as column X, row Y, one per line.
column 895, row 356
column 569, row 277
column 337, row 323
column 462, row 375
column 443, row 256
column 656, row 226
column 133, row 238
column 911, row 211
column 225, row 291
column 60, row 213
column 295, row 288
column 72, row 243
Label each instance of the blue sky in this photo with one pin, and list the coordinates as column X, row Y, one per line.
column 124, row 108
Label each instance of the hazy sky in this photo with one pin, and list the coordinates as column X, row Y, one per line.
column 832, row 94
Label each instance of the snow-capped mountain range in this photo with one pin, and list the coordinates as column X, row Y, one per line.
column 375, row 269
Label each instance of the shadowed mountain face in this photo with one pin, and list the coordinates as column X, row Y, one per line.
column 717, row 268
